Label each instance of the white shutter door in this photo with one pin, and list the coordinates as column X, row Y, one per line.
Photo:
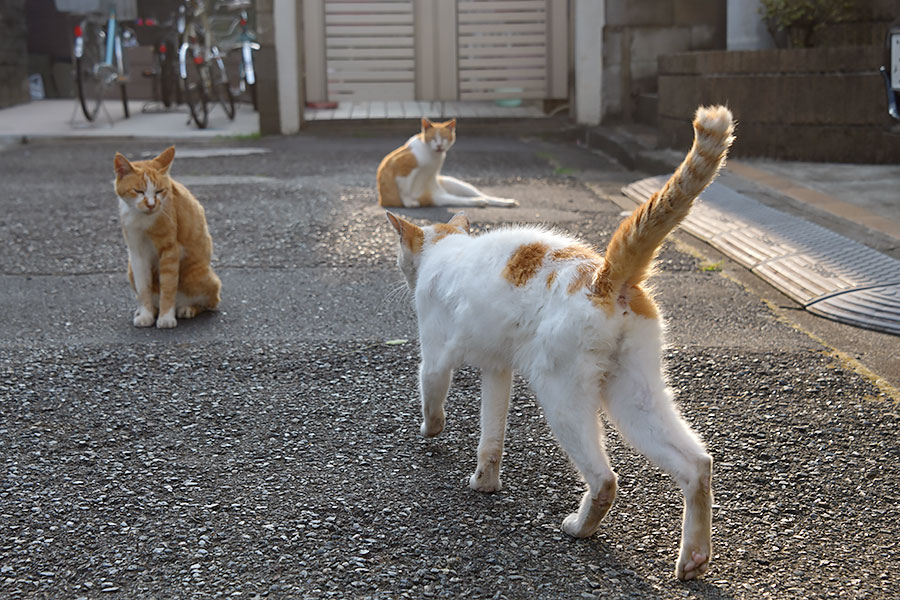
column 369, row 50
column 503, row 49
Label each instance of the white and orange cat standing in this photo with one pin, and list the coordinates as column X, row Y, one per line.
column 582, row 328
column 169, row 246
column 410, row 176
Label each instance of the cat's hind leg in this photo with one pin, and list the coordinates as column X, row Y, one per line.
column 460, row 189
column 572, row 413
column 495, row 389
column 197, row 293
column 640, row 406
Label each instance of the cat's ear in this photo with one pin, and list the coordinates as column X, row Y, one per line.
column 426, row 124
column 451, row 124
column 411, row 235
column 165, row 158
column 122, row 166
column 460, row 221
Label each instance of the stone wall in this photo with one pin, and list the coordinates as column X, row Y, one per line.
column 13, row 54
column 637, row 33
column 814, row 104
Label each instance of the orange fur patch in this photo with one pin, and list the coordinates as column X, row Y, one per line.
column 425, row 199
column 642, row 304
column 524, row 263
column 584, row 277
column 576, row 252
column 442, row 230
column 411, row 235
column 551, row 277
column 398, row 163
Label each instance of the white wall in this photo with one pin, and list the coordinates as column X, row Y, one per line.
column 287, row 36
column 590, row 17
column 746, row 30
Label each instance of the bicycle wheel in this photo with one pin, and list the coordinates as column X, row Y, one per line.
column 121, row 75
column 89, row 71
column 219, row 80
column 193, row 89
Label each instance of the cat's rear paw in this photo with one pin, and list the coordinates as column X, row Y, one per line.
column 574, row 526
column 692, row 564
column 166, row 321
column 431, row 428
column 143, row 317
column 187, row 312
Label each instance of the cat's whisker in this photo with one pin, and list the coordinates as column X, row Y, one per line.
column 398, row 293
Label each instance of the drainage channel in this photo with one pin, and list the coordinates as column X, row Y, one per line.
column 828, row 274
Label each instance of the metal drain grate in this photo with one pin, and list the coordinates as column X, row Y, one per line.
column 830, row 275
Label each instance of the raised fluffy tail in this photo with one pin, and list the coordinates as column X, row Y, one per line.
column 635, row 243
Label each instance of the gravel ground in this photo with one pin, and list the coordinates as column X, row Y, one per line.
column 271, row 450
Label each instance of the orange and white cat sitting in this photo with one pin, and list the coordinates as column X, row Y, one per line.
column 169, row 246
column 581, row 327
column 410, row 176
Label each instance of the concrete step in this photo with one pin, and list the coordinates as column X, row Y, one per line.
column 647, row 109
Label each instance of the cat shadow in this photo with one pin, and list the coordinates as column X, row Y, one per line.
column 622, row 563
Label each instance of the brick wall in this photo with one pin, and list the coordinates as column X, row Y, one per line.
column 13, row 54
column 637, row 33
column 816, row 104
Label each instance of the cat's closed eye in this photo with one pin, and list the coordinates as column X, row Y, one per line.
column 137, row 191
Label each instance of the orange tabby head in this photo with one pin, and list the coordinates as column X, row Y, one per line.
column 144, row 185
column 439, row 136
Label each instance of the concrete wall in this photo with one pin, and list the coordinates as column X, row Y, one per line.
column 636, row 34
column 816, row 104
column 13, row 54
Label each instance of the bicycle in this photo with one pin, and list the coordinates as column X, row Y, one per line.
column 201, row 67
column 99, row 54
column 244, row 41
column 156, row 28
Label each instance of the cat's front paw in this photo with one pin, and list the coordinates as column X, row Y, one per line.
column 143, row 317
column 166, row 321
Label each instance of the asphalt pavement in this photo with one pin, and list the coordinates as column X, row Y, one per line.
column 271, row 449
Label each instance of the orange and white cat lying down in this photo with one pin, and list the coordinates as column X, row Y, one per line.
column 169, row 246
column 410, row 176
column 580, row 327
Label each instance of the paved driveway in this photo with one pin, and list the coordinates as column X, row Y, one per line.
column 271, row 449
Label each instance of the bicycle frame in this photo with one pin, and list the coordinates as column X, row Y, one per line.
column 113, row 56
column 247, row 48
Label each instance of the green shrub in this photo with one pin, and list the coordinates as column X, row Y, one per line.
column 800, row 18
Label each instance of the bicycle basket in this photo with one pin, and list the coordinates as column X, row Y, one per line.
column 126, row 10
